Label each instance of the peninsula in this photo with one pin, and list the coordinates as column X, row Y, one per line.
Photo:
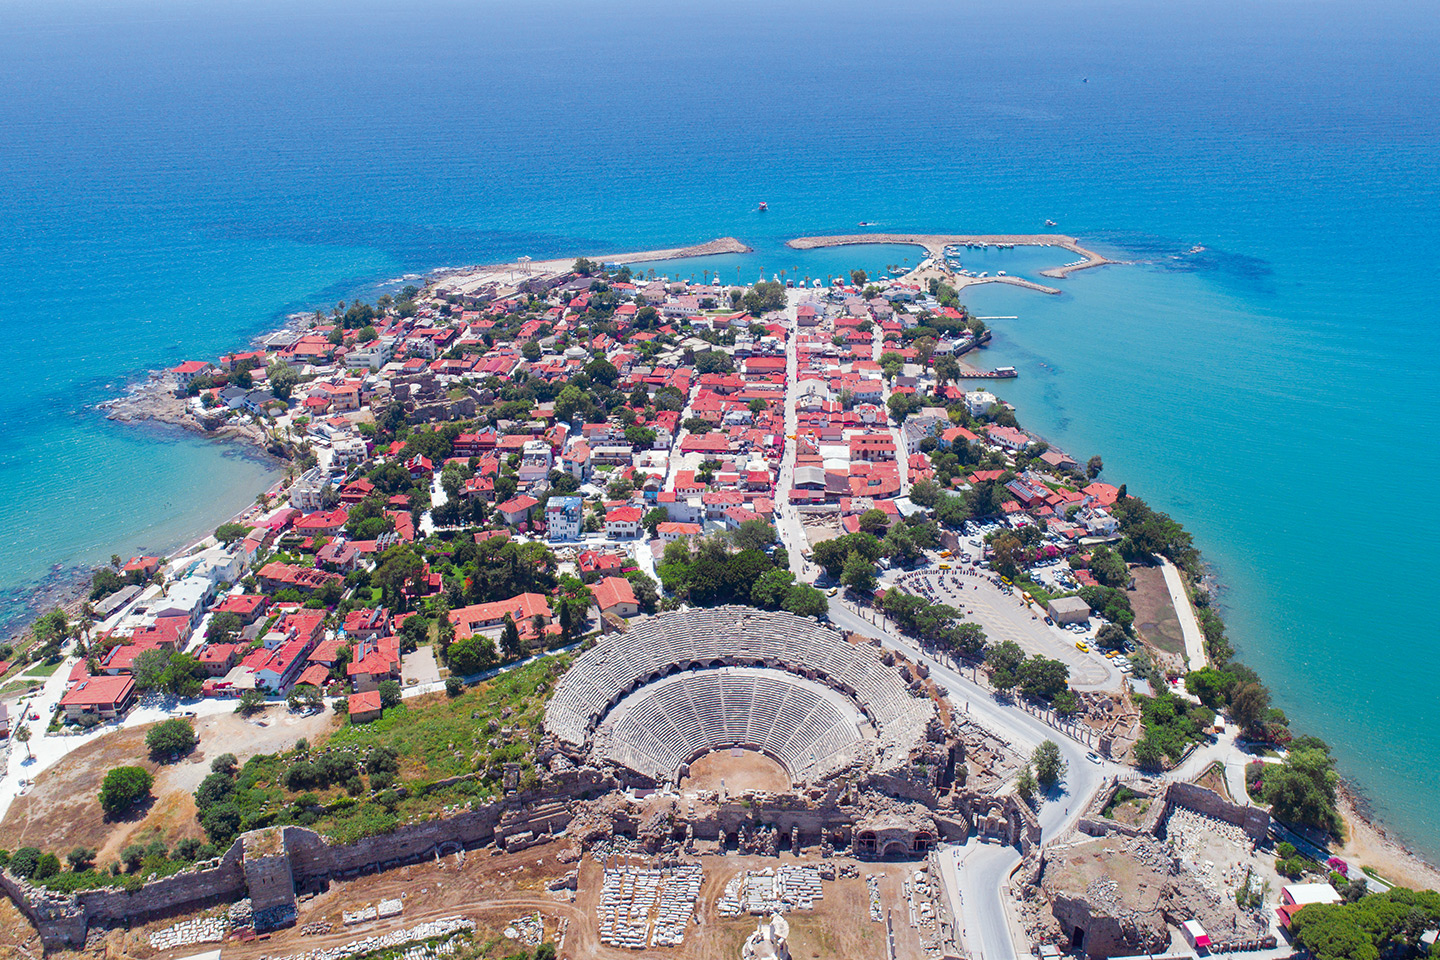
column 602, row 613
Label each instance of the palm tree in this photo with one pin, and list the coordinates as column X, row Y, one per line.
column 22, row 733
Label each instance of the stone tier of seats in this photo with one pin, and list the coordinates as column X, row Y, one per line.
column 809, row 729
column 702, row 639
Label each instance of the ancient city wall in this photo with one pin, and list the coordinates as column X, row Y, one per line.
column 282, row 859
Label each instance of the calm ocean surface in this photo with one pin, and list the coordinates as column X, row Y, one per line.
column 175, row 177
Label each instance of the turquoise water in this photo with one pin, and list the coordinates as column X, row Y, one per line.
column 179, row 176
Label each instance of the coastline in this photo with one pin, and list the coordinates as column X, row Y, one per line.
column 465, row 281
column 152, row 400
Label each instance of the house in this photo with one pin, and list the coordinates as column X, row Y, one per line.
column 285, row 576
column 671, row 531
column 145, row 566
column 216, row 659
column 367, row 624
column 365, row 706
column 564, row 518
column 489, row 618
column 276, row 670
column 374, row 661
column 516, row 510
column 188, row 371
column 246, row 606
column 615, row 595
column 623, row 523
column 105, row 698
column 601, row 564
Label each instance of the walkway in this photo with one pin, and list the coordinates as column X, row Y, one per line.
column 1185, row 613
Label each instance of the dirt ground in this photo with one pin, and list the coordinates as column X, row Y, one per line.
column 494, row 889
column 61, row 811
column 740, row 769
column 1154, row 613
column 1214, row 779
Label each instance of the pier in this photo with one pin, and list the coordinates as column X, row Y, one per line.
column 936, row 243
column 999, row 373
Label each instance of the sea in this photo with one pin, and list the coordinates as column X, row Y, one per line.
column 176, row 177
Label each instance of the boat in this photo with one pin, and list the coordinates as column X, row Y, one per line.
column 863, row 223
column 1051, row 223
column 764, row 206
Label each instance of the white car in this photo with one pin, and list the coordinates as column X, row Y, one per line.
column 1093, row 757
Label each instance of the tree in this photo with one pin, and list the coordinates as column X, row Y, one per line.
column 947, row 370
column 858, row 277
column 170, row 738
column 1108, row 567
column 647, row 594
column 510, row 644
column 226, row 763
column 228, row 533
column 223, row 626
column 926, row 493
column 214, row 789
column 804, row 600
column 81, row 858
column 530, row 350
column 1004, row 661
column 858, row 573
column 874, row 522
column 1050, row 767
column 282, row 379
column 1249, row 707
column 753, row 534
column 473, row 654
column 148, row 668
column 1302, row 789
column 123, row 787
column 1025, row 785
column 250, row 701
column 653, row 519
column 1149, row 755
column 389, row 693
column 24, row 861
column 454, row 686
column 1094, row 466
column 22, row 733
column 771, row 588
column 1111, row 637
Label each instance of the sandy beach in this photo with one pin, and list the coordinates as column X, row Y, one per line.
column 506, row 276
column 1369, row 845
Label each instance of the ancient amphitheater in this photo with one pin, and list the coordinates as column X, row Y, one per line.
column 681, row 685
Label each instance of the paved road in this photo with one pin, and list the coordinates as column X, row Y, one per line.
column 984, row 868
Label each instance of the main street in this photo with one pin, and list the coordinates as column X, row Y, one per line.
column 981, row 870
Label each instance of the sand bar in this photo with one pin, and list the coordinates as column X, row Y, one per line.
column 506, row 275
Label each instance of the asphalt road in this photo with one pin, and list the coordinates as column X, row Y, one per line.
column 984, row 868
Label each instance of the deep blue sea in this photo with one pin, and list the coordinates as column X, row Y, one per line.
column 174, row 177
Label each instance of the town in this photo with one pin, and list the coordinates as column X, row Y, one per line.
column 649, row 589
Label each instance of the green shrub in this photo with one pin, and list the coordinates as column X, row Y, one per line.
column 123, row 787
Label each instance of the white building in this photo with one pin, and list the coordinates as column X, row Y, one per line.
column 980, row 402
column 305, row 493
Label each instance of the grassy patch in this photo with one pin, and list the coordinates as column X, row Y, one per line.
column 434, row 738
column 44, row 669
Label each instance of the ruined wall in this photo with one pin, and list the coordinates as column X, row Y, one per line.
column 282, row 859
column 1254, row 821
